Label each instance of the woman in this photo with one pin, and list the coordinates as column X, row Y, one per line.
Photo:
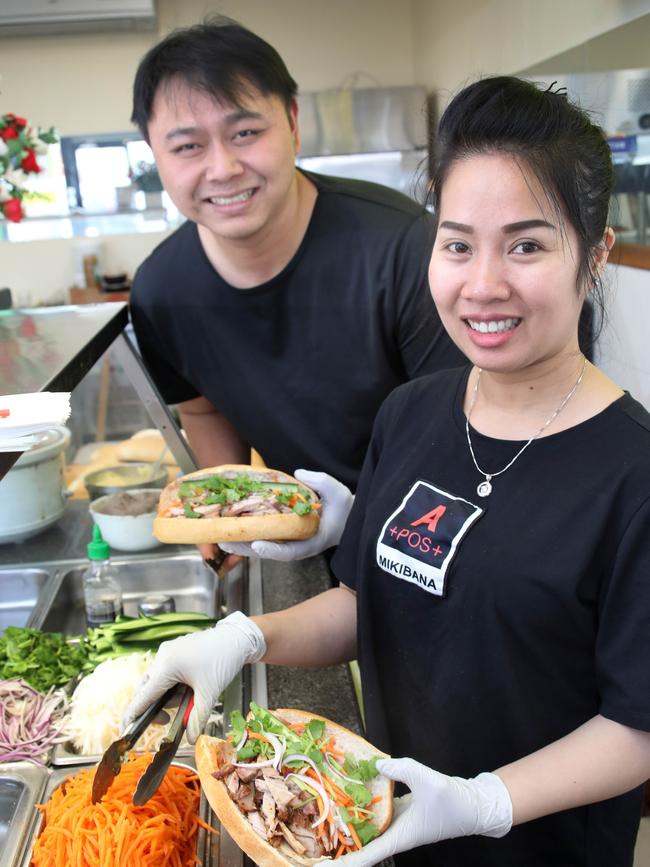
column 494, row 568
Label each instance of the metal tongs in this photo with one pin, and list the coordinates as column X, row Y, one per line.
column 111, row 762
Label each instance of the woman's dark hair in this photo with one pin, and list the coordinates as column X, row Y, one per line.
column 554, row 139
column 220, row 58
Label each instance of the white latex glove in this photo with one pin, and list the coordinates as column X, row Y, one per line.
column 207, row 661
column 336, row 503
column 438, row 808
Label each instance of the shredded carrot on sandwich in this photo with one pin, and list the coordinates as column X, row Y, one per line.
column 114, row 832
column 255, row 736
column 333, row 749
column 354, row 835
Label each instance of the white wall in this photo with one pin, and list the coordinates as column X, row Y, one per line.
column 622, row 349
column 41, row 272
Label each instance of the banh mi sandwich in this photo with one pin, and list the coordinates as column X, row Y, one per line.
column 236, row 503
column 291, row 787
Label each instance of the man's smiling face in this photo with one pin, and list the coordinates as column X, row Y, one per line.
column 229, row 168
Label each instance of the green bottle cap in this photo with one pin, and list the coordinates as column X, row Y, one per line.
column 98, row 549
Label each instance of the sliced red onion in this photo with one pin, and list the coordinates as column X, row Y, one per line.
column 30, row 722
column 330, row 764
column 301, row 757
column 316, row 787
column 242, row 741
column 279, row 747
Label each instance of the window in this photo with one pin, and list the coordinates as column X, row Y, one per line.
column 99, row 167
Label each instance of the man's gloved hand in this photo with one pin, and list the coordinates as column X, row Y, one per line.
column 207, row 661
column 336, row 502
column 438, row 808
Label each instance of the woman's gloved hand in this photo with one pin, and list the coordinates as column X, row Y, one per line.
column 207, row 661
column 336, row 500
column 438, row 808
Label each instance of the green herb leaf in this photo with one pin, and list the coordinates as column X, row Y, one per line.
column 362, row 770
column 366, row 830
column 190, row 513
column 359, row 793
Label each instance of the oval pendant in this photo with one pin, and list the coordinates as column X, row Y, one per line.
column 484, row 489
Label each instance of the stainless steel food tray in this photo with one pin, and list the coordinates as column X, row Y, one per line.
column 65, row 754
column 21, row 787
column 186, row 578
column 56, row 776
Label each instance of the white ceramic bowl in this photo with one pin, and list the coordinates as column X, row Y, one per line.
column 125, row 532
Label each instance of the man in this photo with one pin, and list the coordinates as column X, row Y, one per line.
column 289, row 304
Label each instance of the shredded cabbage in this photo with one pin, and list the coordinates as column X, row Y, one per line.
column 99, row 701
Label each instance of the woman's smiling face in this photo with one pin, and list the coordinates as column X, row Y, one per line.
column 504, row 266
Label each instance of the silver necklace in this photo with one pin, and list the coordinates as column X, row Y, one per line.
column 484, row 489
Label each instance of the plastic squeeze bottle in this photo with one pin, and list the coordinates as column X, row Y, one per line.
column 102, row 592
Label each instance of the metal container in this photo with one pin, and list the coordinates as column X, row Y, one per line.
column 124, row 477
column 185, row 577
column 20, row 588
column 58, row 775
column 156, row 604
column 32, row 494
column 21, row 786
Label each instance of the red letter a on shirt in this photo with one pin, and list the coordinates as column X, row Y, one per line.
column 431, row 518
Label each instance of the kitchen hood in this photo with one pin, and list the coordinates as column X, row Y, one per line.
column 619, row 100
column 374, row 134
column 363, row 120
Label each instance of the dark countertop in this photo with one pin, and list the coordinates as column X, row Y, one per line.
column 67, row 540
column 327, row 691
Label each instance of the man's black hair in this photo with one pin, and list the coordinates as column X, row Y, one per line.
column 219, row 57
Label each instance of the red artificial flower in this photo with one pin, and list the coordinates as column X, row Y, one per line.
column 18, row 122
column 29, row 163
column 8, row 132
column 13, row 210
column 28, row 327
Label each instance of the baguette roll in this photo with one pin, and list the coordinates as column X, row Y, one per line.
column 210, row 753
column 261, row 510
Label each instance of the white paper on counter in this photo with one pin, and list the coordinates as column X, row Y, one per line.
column 24, row 418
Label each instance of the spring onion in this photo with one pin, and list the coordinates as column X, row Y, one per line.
column 129, row 634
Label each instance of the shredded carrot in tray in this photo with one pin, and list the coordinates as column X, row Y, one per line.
column 114, row 833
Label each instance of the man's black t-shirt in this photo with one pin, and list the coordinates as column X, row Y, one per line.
column 300, row 364
column 488, row 628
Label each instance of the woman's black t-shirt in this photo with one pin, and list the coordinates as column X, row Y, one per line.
column 488, row 628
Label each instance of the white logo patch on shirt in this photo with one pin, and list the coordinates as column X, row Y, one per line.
column 419, row 540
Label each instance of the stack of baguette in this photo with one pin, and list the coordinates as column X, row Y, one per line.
column 144, row 446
